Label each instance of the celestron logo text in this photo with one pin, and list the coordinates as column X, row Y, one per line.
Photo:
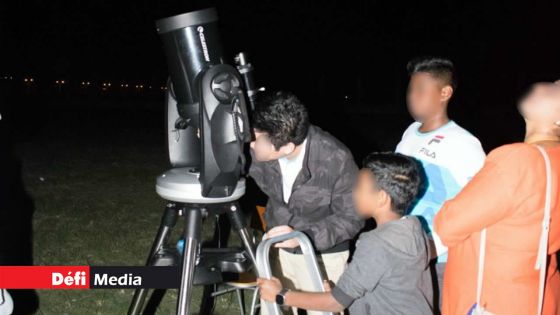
column 200, row 30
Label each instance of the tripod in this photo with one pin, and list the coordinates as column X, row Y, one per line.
column 199, row 266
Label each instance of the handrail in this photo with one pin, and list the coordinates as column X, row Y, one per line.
column 264, row 270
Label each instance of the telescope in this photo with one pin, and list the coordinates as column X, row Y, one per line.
column 207, row 126
column 206, row 110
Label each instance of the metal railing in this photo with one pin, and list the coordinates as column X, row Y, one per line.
column 264, row 270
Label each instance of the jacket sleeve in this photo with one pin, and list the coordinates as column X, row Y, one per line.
column 343, row 223
column 489, row 197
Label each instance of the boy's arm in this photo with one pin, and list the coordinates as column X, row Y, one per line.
column 369, row 264
column 467, row 159
column 317, row 301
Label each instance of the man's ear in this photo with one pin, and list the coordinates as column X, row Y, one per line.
column 446, row 93
column 287, row 148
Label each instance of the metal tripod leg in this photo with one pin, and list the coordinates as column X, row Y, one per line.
column 222, row 229
column 193, row 225
column 167, row 223
column 238, row 223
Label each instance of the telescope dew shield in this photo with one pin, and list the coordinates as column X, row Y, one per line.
column 191, row 44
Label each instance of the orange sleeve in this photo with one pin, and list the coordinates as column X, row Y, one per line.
column 488, row 197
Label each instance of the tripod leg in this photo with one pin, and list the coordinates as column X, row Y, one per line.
column 208, row 300
column 167, row 223
column 193, row 225
column 154, row 301
column 240, row 300
column 222, row 230
column 239, row 224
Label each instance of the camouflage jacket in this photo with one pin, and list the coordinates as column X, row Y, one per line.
column 321, row 202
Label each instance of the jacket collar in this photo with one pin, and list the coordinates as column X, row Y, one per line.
column 309, row 151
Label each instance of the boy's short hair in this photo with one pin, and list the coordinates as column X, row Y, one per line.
column 398, row 175
column 440, row 68
column 283, row 117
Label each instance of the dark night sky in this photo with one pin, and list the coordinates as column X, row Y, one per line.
column 322, row 50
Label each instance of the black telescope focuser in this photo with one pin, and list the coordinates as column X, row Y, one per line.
column 207, row 120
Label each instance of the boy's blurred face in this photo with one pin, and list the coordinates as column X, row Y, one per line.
column 366, row 195
column 426, row 95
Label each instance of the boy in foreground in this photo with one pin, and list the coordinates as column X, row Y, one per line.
column 389, row 272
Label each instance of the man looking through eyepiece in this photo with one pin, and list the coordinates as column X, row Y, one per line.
column 308, row 176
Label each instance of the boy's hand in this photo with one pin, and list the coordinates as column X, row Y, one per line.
column 269, row 288
column 327, row 285
column 281, row 230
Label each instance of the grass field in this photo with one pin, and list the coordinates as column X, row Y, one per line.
column 92, row 183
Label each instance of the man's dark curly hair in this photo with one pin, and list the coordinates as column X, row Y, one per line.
column 283, row 117
column 398, row 175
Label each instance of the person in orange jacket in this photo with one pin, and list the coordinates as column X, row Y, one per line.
column 507, row 198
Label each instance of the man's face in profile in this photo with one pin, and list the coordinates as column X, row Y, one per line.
column 263, row 149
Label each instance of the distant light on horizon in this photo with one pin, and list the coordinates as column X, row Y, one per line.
column 101, row 85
